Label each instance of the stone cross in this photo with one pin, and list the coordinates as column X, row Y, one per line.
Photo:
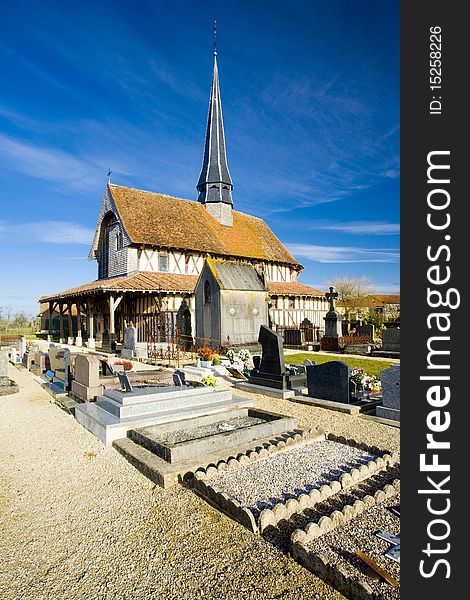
column 331, row 297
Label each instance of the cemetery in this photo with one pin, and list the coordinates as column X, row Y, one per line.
column 237, row 446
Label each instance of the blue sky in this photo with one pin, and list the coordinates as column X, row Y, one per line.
column 310, row 93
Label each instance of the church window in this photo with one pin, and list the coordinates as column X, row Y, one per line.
column 163, row 262
column 207, row 293
column 119, row 241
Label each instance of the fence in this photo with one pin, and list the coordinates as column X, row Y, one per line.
column 294, row 336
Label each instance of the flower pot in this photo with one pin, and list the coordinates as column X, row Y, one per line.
column 206, row 363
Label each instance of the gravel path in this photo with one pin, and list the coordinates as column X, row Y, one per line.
column 289, row 474
column 78, row 521
column 340, row 545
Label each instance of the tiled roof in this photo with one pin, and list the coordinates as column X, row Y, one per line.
column 164, row 221
column 140, row 281
column 293, row 289
column 388, row 298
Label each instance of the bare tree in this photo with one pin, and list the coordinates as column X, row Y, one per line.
column 351, row 292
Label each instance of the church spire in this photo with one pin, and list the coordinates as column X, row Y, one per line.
column 215, row 184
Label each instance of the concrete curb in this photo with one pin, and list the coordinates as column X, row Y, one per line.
column 284, row 510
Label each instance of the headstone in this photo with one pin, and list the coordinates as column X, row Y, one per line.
column 390, row 393
column 22, row 347
column 40, row 362
column 129, row 342
column 391, row 340
column 272, row 369
column 178, row 378
column 330, row 381
column 366, row 330
column 125, row 383
column 86, row 384
column 60, row 364
column 332, row 318
column 13, row 354
column 3, row 363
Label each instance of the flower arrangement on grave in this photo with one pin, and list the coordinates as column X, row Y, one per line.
column 125, row 363
column 231, row 355
column 369, row 383
column 216, row 359
column 247, row 360
column 205, row 353
column 209, row 381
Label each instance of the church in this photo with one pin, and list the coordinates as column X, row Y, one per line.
column 197, row 268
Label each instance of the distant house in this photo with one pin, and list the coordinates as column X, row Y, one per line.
column 386, row 305
column 151, row 249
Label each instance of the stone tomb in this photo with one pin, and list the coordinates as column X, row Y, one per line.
column 390, row 394
column 116, row 412
column 330, row 381
column 194, row 438
column 86, row 384
column 7, row 385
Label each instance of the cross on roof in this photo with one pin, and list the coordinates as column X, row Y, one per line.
column 331, row 297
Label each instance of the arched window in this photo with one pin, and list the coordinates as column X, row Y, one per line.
column 119, row 241
column 207, row 293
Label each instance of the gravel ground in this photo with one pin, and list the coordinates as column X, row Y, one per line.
column 78, row 521
column 288, row 474
column 184, row 435
column 340, row 545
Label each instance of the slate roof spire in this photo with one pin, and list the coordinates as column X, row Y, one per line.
column 215, row 183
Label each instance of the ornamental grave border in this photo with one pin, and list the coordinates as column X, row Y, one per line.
column 318, row 564
column 200, row 479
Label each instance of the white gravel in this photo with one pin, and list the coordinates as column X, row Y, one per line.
column 296, row 471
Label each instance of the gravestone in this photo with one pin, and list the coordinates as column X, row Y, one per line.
column 330, row 381
column 366, row 330
column 272, row 370
column 13, row 354
column 391, row 340
column 22, row 348
column 390, row 394
column 3, row 363
column 86, row 384
column 129, row 342
column 60, row 365
column 332, row 318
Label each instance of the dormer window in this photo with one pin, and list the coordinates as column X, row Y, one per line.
column 163, row 262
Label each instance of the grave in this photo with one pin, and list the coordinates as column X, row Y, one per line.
column 7, row 385
column 390, row 343
column 272, row 377
column 194, row 438
column 330, row 381
column 86, row 384
column 362, row 349
column 129, row 342
column 117, row 411
column 390, row 394
column 60, row 366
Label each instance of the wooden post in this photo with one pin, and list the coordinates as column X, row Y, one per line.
column 78, row 338
column 111, row 314
column 51, row 310
column 90, row 327
column 61, row 323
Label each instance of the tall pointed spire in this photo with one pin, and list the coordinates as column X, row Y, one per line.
column 215, row 184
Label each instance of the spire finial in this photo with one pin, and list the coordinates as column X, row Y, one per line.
column 215, row 37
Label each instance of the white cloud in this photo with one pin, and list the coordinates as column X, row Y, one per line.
column 345, row 254
column 358, row 227
column 52, row 232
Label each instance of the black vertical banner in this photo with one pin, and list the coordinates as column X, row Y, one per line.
column 435, row 399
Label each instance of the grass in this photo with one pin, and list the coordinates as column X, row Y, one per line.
column 370, row 366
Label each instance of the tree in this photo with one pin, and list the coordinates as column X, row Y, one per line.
column 352, row 292
column 21, row 320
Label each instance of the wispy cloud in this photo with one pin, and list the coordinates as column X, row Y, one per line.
column 357, row 227
column 345, row 254
column 52, row 232
column 47, row 164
